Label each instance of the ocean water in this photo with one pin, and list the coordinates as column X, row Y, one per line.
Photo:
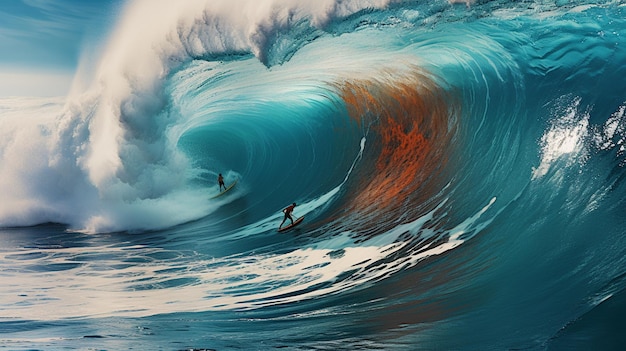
column 460, row 167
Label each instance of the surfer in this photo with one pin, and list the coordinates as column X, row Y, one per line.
column 287, row 212
column 220, row 180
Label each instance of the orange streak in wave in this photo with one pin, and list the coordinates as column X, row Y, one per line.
column 412, row 123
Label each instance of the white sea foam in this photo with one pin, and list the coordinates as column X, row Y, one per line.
column 186, row 283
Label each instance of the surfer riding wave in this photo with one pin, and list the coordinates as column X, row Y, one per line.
column 287, row 211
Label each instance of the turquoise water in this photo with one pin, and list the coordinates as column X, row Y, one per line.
column 460, row 169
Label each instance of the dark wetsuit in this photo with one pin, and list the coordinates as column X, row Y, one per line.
column 220, row 180
column 287, row 212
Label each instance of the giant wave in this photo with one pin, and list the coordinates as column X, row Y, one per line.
column 460, row 167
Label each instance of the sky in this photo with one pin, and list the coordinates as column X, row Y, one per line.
column 41, row 42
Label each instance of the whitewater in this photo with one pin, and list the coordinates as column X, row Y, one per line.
column 460, row 167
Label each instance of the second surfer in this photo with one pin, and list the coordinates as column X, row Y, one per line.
column 287, row 211
column 220, row 180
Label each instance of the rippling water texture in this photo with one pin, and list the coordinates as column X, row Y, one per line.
column 460, row 168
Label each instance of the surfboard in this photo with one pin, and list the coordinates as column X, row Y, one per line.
column 295, row 223
column 226, row 190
